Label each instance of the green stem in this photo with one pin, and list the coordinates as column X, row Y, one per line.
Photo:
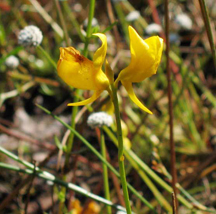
column 105, row 171
column 52, row 62
column 120, row 150
column 88, row 32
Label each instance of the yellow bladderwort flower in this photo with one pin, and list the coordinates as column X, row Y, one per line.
column 145, row 58
column 82, row 73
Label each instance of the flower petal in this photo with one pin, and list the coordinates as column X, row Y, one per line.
column 100, row 54
column 89, row 100
column 128, row 87
column 155, row 44
column 138, row 46
column 145, row 57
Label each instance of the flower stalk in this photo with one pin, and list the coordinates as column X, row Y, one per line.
column 120, row 149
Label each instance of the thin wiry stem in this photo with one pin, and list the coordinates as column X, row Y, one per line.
column 62, row 22
column 172, row 145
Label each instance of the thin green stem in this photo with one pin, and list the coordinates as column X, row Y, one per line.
column 120, row 149
column 52, row 62
column 105, row 171
column 88, row 32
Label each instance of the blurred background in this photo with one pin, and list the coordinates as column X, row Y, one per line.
column 30, row 77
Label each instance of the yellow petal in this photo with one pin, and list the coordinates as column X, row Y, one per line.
column 89, row 100
column 155, row 44
column 145, row 57
column 128, row 87
column 100, row 54
column 138, row 46
column 79, row 72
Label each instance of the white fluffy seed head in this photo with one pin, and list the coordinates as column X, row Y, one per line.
column 12, row 62
column 30, row 36
column 132, row 16
column 184, row 21
column 153, row 29
column 99, row 119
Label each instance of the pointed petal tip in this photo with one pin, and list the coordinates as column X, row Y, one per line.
column 100, row 54
column 133, row 97
column 87, row 101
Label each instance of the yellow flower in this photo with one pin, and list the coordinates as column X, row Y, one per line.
column 145, row 58
column 80, row 72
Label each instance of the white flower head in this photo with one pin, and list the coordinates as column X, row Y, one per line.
column 12, row 62
column 99, row 119
column 132, row 16
column 153, row 29
column 30, row 36
column 94, row 22
column 184, row 21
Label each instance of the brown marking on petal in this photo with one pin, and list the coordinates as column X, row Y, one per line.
column 75, row 53
column 79, row 58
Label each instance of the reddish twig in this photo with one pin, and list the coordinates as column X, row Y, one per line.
column 26, row 138
column 172, row 145
column 174, row 203
column 6, row 122
column 154, row 12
